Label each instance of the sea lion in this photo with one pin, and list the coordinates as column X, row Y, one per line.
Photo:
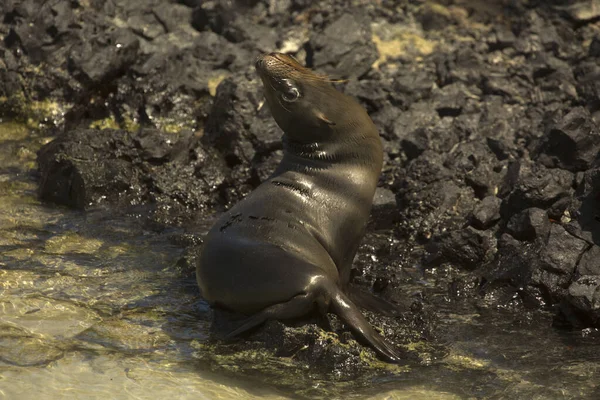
column 287, row 248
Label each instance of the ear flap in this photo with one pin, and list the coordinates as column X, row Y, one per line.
column 324, row 119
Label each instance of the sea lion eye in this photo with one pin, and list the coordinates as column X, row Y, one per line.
column 291, row 92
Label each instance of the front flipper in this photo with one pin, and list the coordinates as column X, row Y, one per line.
column 296, row 307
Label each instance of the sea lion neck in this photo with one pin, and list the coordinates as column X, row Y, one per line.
column 307, row 107
column 361, row 150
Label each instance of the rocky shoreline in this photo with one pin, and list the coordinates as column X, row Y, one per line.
column 489, row 113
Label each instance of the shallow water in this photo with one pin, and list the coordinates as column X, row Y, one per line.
column 95, row 305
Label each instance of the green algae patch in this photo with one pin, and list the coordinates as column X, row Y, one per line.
column 128, row 124
column 33, row 113
column 106, row 123
column 174, row 125
column 374, row 363
column 13, row 188
column 396, row 41
column 214, row 81
column 261, row 358
column 437, row 8
column 13, row 131
column 71, row 242
column 459, row 362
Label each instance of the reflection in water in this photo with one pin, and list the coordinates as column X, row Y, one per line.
column 95, row 305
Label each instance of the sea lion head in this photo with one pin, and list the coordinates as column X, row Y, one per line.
column 305, row 104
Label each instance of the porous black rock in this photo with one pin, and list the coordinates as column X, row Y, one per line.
column 344, row 47
column 501, row 38
column 486, row 213
column 589, row 264
column 450, row 100
column 476, row 164
column 587, row 75
column 585, row 207
column 428, row 198
column 582, row 11
column 88, row 168
column 562, row 251
column 239, row 121
column 572, row 144
column 211, row 15
column 512, row 269
column 384, row 212
column 241, row 128
column 533, row 185
column 420, row 128
column 105, row 57
column 582, row 305
column 529, row 224
column 235, row 21
column 469, row 248
column 594, row 50
column 434, row 16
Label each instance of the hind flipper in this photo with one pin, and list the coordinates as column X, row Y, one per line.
column 297, row 306
column 352, row 317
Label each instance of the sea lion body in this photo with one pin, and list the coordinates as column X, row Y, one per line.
column 287, row 248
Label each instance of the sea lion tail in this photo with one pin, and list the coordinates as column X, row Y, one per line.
column 349, row 313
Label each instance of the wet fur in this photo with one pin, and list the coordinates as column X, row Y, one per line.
column 286, row 250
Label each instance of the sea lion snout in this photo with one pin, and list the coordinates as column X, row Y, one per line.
column 279, row 66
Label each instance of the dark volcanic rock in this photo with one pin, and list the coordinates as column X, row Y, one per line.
column 573, row 144
column 428, row 198
column 594, row 50
column 529, row 224
column 589, row 264
column 344, row 47
column 513, row 266
column 562, row 251
column 104, row 58
column 384, row 212
column 239, row 109
column 241, row 128
column 537, row 186
column 86, row 168
column 467, row 247
column 477, row 165
column 450, row 100
column 235, row 22
column 486, row 212
column 587, row 75
column 583, row 10
column 586, row 206
column 583, row 302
